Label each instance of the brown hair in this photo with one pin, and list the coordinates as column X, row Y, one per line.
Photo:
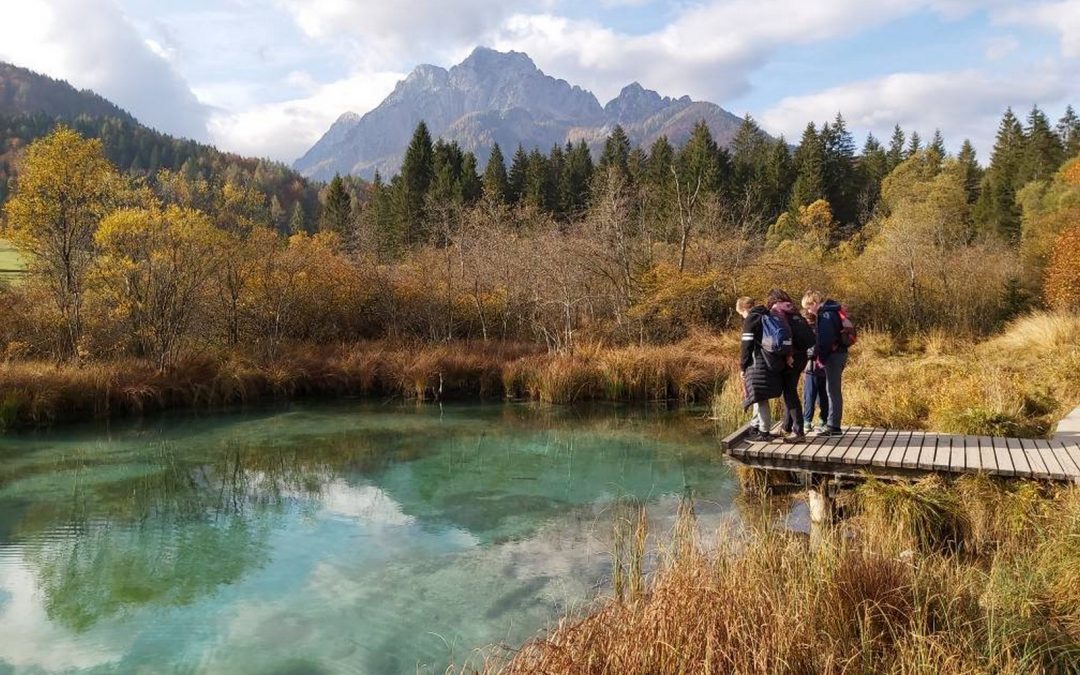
column 776, row 295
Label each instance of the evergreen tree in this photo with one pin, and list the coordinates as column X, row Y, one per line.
column 296, row 219
column 659, row 181
column 1042, row 153
column 895, row 155
column 495, row 181
column 538, row 190
column 471, row 186
column 516, row 181
column 996, row 210
column 417, row 173
column 838, row 176
column 616, row 151
column 809, row 169
column 914, row 145
column 873, row 166
column 779, row 177
column 337, row 208
column 1068, row 131
column 937, row 146
column 575, row 179
column 971, row 170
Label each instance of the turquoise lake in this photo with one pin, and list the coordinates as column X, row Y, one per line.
column 326, row 538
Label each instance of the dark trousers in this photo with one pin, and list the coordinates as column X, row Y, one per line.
column 815, row 393
column 834, row 372
column 793, row 412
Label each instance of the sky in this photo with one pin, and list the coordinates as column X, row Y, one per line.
column 268, row 77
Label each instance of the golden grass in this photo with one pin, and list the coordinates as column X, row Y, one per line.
column 855, row 600
column 37, row 393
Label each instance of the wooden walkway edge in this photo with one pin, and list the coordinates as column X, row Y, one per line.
column 910, row 454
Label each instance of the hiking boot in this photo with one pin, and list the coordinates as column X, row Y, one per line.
column 820, row 429
column 828, row 432
column 759, row 436
column 795, row 437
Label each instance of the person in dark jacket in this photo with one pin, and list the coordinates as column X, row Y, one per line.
column 761, row 382
column 814, row 394
column 831, row 354
column 802, row 341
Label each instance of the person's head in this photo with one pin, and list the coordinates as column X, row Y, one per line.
column 776, row 295
column 811, row 300
column 743, row 306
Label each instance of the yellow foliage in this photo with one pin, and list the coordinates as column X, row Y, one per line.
column 1062, row 285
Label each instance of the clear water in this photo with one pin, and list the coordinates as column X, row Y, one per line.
column 344, row 538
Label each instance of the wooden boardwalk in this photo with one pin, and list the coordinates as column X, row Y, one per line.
column 910, row 454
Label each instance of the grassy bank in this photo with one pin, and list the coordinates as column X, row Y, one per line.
column 1018, row 383
column 37, row 394
column 975, row 577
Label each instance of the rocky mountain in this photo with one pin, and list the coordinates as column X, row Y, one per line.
column 500, row 97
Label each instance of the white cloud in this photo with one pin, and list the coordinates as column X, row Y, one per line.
column 963, row 104
column 1000, row 46
column 285, row 130
column 1062, row 18
column 91, row 44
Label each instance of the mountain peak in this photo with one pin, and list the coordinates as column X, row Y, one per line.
column 500, row 97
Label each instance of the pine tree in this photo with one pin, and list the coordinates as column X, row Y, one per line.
column 971, row 170
column 996, row 210
column 516, row 181
column 616, row 151
column 337, row 208
column 1068, row 131
column 914, row 145
column 937, row 146
column 873, row 166
column 659, row 180
column 575, row 179
column 838, row 175
column 538, row 190
column 296, row 219
column 417, row 173
column 809, row 169
column 1042, row 153
column 895, row 155
column 779, row 177
column 471, row 186
column 495, row 181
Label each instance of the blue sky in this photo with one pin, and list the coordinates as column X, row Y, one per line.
column 267, row 77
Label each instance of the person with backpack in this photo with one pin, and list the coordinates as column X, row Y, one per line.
column 835, row 334
column 814, row 394
column 802, row 341
column 762, row 350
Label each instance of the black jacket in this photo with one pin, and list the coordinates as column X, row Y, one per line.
column 761, row 382
column 802, row 341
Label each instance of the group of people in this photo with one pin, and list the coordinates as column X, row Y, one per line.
column 779, row 344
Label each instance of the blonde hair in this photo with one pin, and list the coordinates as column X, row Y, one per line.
column 816, row 297
column 744, row 303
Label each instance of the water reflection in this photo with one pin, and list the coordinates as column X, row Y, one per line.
column 327, row 538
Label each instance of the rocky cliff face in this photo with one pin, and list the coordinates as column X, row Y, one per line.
column 496, row 97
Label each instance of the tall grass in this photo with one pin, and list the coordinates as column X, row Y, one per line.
column 37, row 393
column 859, row 599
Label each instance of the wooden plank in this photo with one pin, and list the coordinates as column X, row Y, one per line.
column 927, row 450
column 827, row 444
column 1002, row 456
column 987, row 458
column 1018, row 458
column 914, row 449
column 1053, row 466
column 1073, row 450
column 899, row 447
column 732, row 439
column 856, row 447
column 881, row 455
column 1031, row 452
column 1069, row 465
column 843, row 452
column 869, row 446
column 972, row 458
column 943, row 455
column 956, row 454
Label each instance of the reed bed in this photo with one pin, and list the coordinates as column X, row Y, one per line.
column 40, row 393
column 921, row 579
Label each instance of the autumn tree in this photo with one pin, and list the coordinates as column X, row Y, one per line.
column 65, row 187
column 156, row 264
column 1062, row 286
